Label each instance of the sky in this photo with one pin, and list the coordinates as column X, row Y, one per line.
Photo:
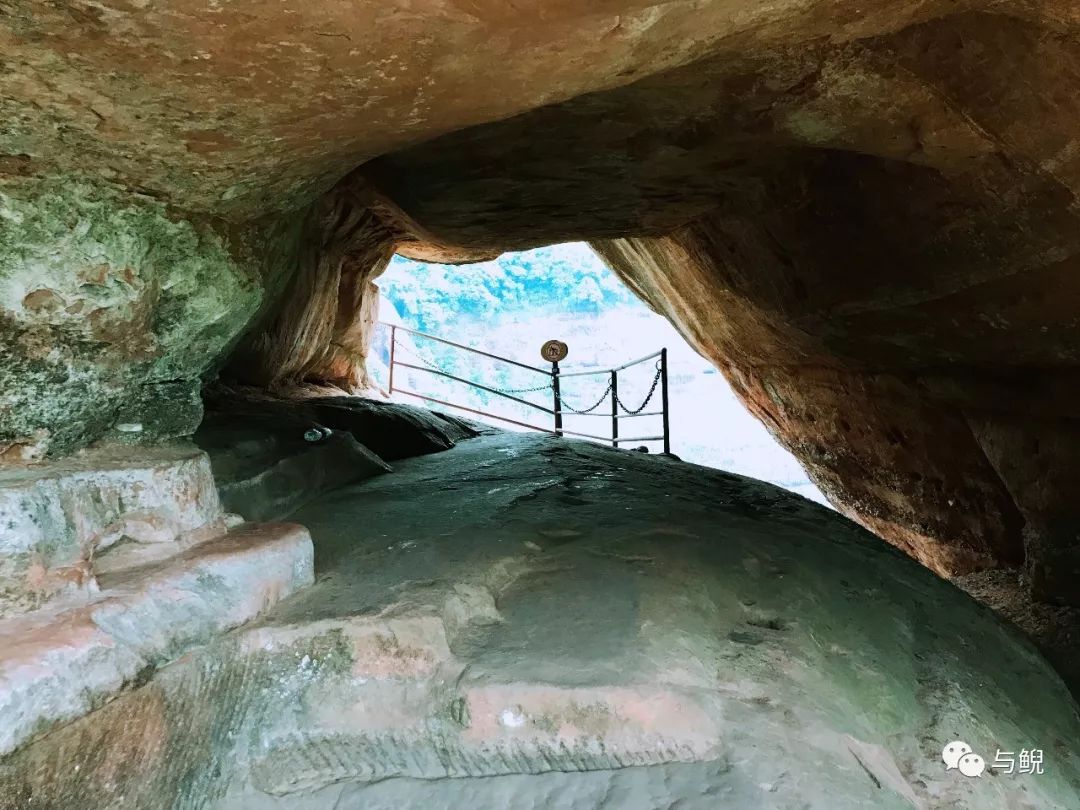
column 512, row 305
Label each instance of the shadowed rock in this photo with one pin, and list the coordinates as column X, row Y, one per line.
column 682, row 636
column 864, row 214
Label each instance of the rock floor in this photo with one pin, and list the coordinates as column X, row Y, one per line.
column 525, row 622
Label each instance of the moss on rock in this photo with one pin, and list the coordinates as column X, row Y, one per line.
column 113, row 306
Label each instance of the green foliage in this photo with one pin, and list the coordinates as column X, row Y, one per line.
column 512, row 305
column 509, row 306
column 558, row 280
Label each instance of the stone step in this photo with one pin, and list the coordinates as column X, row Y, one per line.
column 60, row 662
column 57, row 517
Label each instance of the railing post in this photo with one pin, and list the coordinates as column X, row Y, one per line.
column 393, row 343
column 558, row 397
column 664, row 399
column 614, row 408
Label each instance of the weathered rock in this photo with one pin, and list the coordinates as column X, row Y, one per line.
column 113, row 306
column 1055, row 629
column 56, row 518
column 845, row 205
column 245, row 109
column 321, row 329
column 567, row 626
column 391, row 429
column 268, row 464
column 57, row 665
column 113, row 562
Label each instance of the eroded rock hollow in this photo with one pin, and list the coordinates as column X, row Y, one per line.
column 864, row 213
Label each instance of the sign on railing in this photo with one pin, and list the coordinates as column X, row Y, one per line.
column 553, row 351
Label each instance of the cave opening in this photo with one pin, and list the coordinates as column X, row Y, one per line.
column 511, row 305
column 234, row 577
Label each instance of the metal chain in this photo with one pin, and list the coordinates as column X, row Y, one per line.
column 548, row 386
column 564, row 404
column 648, row 396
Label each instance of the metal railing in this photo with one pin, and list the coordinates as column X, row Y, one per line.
column 555, row 377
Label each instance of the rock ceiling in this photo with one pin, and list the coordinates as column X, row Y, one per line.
column 863, row 212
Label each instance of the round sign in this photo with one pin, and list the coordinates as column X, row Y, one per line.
column 554, row 350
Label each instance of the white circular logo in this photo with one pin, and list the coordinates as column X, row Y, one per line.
column 952, row 752
column 971, row 765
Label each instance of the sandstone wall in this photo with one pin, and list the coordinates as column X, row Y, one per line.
column 113, row 306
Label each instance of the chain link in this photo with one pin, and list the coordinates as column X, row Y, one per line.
column 546, row 387
column 648, row 396
column 564, row 404
column 549, row 386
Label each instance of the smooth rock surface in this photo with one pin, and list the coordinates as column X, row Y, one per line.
column 268, row 465
column 391, row 429
column 562, row 626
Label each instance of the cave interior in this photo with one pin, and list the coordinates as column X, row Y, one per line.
column 863, row 214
